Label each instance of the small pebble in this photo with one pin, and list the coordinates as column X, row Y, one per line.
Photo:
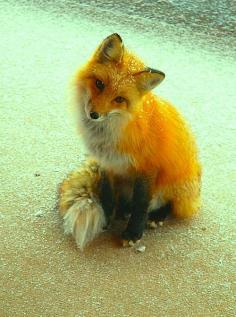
column 39, row 213
column 141, row 248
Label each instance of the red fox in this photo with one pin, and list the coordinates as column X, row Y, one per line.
column 147, row 159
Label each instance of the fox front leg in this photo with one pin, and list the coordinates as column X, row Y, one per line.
column 124, row 191
column 107, row 198
column 138, row 218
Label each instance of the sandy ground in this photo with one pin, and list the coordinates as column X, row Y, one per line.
column 188, row 269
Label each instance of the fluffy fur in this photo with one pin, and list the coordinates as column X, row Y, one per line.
column 145, row 134
column 133, row 134
column 79, row 204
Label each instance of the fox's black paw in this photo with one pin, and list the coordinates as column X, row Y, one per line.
column 158, row 216
column 154, row 224
column 129, row 243
column 130, row 238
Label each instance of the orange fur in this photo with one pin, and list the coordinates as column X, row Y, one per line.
column 118, row 80
column 158, row 139
column 154, row 136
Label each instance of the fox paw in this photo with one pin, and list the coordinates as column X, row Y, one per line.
column 151, row 224
column 137, row 246
column 130, row 238
column 129, row 243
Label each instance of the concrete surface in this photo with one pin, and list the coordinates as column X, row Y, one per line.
column 188, row 269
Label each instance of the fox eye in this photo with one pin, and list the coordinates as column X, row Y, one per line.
column 100, row 84
column 119, row 99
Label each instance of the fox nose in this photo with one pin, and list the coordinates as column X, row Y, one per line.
column 94, row 115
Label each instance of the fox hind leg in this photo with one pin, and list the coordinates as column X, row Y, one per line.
column 158, row 215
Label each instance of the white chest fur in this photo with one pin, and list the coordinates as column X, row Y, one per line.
column 101, row 140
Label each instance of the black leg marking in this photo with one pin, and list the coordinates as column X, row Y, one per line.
column 137, row 221
column 124, row 207
column 106, row 196
column 160, row 214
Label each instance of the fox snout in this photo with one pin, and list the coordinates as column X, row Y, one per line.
column 91, row 113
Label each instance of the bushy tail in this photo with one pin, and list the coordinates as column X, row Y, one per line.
column 84, row 220
column 79, row 204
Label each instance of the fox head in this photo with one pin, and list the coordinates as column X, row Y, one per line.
column 114, row 81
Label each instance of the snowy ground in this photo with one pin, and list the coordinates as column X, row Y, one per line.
column 187, row 269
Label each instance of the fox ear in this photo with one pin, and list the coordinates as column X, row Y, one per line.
column 148, row 79
column 111, row 49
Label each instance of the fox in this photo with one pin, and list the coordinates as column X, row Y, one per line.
column 144, row 158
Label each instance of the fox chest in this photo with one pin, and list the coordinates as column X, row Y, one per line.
column 102, row 144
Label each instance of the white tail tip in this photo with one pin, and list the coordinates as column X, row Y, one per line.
column 85, row 219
